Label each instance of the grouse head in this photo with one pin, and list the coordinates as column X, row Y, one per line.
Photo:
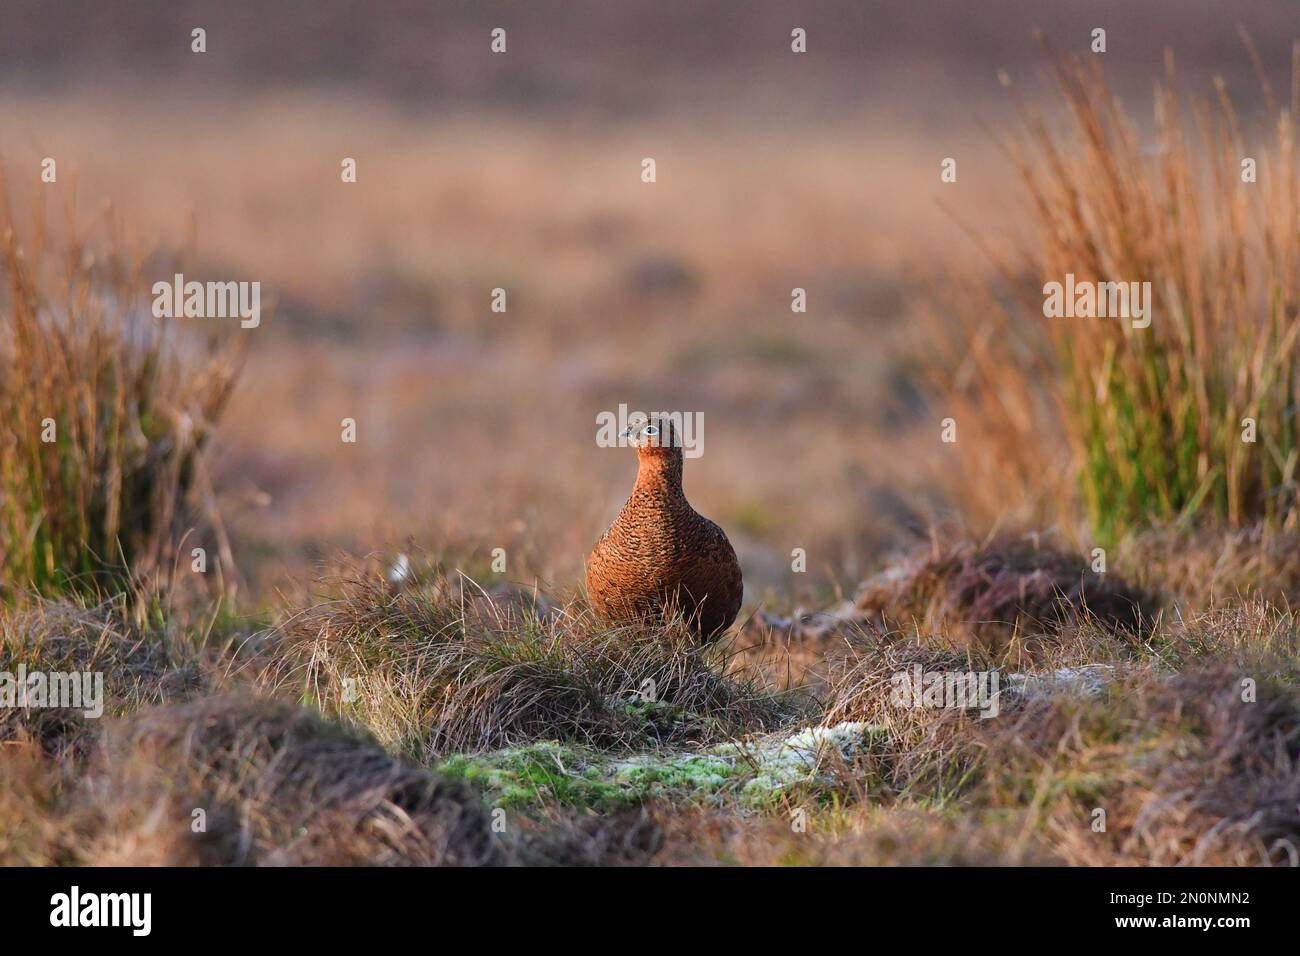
column 659, row 448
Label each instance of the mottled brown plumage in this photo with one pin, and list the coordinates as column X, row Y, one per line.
column 660, row 553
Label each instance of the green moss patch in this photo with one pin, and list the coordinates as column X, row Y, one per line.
column 753, row 773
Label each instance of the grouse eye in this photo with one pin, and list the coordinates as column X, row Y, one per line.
column 650, row 430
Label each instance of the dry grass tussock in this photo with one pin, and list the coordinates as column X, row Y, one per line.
column 238, row 781
column 1003, row 593
column 286, row 786
column 141, row 665
column 442, row 667
column 1202, row 568
column 1190, row 743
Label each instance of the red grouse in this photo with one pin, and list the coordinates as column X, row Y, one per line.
column 659, row 553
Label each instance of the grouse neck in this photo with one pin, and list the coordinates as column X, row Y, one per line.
column 660, row 475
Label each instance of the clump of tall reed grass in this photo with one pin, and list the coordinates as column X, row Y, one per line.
column 106, row 413
column 1156, row 418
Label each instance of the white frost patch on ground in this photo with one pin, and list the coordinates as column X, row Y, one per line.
column 782, row 763
column 1088, row 680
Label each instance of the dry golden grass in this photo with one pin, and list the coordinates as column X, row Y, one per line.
column 858, row 836
column 1189, row 763
column 1186, row 769
column 1153, row 417
column 441, row 667
column 286, row 787
column 141, row 665
column 106, row 416
column 1005, row 593
column 236, row 781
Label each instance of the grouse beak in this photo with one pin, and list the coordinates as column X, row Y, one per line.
column 630, row 434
